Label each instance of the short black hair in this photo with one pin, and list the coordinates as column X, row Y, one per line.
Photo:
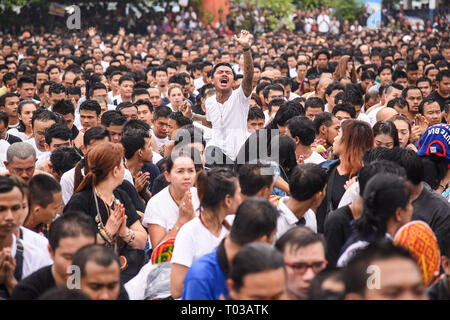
column 254, row 177
column 25, row 79
column 427, row 101
column 303, row 128
column 138, row 92
column 91, row 105
column 355, row 273
column 113, row 117
column 94, row 133
column 272, row 87
column 56, row 88
column 180, row 119
column 324, row 118
column 99, row 254
column 41, row 189
column 255, row 113
column 43, row 115
column 223, row 64
column 7, row 184
column 306, row 180
column 64, row 107
column 253, row 258
column 162, row 112
column 314, row 102
column 7, row 95
column 57, row 130
column 255, row 217
column 63, row 159
column 145, row 102
column 345, row 107
column 443, row 73
column 298, row 237
column 126, row 77
column 71, row 225
column 133, row 140
column 371, row 169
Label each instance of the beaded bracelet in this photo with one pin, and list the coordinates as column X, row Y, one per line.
column 133, row 235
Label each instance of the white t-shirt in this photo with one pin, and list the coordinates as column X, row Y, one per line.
column 37, row 240
column 350, row 195
column 40, row 156
column 314, row 158
column 199, row 83
column 4, row 145
column 33, row 258
column 193, row 241
column 159, row 141
column 323, row 21
column 163, row 211
column 288, row 220
column 293, row 96
column 373, row 115
column 364, row 117
column 207, row 132
column 18, row 134
column 229, row 122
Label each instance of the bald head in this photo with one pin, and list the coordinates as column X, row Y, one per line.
column 20, row 150
column 386, row 113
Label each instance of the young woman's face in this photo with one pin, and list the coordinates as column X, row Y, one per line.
column 337, row 145
column 176, row 98
column 120, row 172
column 384, row 140
column 27, row 113
column 182, row 175
column 403, row 132
column 235, row 199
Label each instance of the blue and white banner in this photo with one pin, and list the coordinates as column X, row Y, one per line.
column 373, row 8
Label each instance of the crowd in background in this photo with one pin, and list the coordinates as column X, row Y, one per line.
column 225, row 165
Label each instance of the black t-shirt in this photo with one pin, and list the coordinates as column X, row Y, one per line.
column 159, row 184
column 433, row 209
column 12, row 139
column 338, row 188
column 198, row 109
column 40, row 281
column 153, row 170
column 130, row 190
column 441, row 100
column 336, row 231
column 75, row 132
column 33, row 286
column 84, row 202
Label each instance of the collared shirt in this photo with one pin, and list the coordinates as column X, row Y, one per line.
column 288, row 220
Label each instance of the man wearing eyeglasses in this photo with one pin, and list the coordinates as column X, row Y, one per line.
column 304, row 256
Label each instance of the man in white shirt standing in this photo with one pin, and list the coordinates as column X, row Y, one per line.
column 227, row 110
column 323, row 21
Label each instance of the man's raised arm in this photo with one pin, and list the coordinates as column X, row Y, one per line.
column 247, row 82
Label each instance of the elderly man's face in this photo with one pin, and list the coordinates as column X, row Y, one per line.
column 22, row 168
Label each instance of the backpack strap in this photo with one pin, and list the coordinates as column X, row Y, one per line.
column 18, row 272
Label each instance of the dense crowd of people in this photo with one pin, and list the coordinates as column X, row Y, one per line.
column 227, row 166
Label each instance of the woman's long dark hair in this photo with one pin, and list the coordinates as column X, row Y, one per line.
column 383, row 195
column 386, row 127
